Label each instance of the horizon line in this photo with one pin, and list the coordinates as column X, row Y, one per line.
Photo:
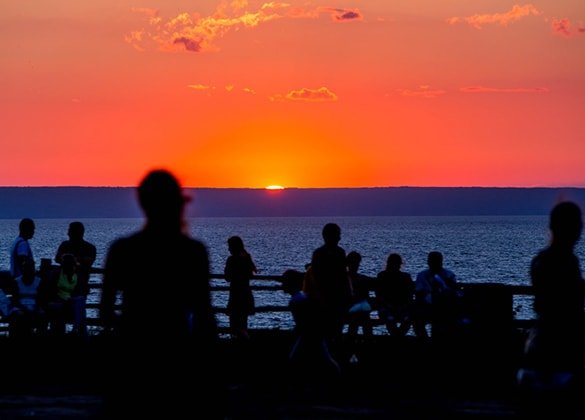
column 315, row 188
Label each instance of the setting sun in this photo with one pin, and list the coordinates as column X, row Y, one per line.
column 275, row 187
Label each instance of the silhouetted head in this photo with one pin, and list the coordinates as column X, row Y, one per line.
column 161, row 198
column 394, row 262
column 26, row 228
column 76, row 231
column 353, row 261
column 331, row 233
column 235, row 245
column 435, row 261
column 566, row 223
column 292, row 281
column 68, row 263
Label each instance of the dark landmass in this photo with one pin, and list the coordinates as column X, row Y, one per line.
column 113, row 202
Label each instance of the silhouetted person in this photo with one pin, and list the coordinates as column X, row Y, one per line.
column 166, row 324
column 333, row 286
column 555, row 348
column 309, row 358
column 20, row 251
column 359, row 311
column 26, row 314
column 394, row 296
column 435, row 290
column 239, row 269
column 85, row 255
column 62, row 296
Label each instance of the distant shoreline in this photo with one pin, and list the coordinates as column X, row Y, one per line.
column 120, row 202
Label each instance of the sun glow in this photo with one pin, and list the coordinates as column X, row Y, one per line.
column 275, row 187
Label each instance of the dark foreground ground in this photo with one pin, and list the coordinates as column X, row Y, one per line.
column 387, row 378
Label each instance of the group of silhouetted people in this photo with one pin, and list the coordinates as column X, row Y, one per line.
column 43, row 302
column 332, row 293
column 161, row 278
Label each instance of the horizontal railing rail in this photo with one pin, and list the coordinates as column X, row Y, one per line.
column 505, row 292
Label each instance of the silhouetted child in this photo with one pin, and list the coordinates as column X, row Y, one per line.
column 239, row 269
column 63, row 297
column 26, row 314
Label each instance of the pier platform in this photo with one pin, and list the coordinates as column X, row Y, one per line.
column 382, row 377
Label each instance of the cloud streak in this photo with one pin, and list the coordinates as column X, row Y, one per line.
column 485, row 89
column 422, row 92
column 321, row 94
column 200, row 87
column 516, row 13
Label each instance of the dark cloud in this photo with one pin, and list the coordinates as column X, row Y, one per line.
column 190, row 44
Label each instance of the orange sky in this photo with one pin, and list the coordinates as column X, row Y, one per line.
column 333, row 93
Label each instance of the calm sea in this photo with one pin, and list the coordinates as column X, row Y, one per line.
column 477, row 249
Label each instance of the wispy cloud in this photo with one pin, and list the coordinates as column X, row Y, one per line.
column 230, row 89
column 485, row 89
column 516, row 13
column 321, row 94
column 423, row 91
column 200, row 87
column 194, row 33
column 564, row 28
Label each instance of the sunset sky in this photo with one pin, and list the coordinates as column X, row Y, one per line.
column 302, row 93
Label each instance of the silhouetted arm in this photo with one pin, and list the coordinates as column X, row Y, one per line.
column 205, row 325
column 60, row 252
column 111, row 282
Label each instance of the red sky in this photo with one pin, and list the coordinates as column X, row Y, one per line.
column 334, row 93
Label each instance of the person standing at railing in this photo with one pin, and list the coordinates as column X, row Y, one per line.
column 332, row 283
column 166, row 357
column 85, row 255
column 20, row 251
column 239, row 269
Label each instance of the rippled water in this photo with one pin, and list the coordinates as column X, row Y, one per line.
column 477, row 249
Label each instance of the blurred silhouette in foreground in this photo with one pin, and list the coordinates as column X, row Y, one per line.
column 166, row 328
column 554, row 350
